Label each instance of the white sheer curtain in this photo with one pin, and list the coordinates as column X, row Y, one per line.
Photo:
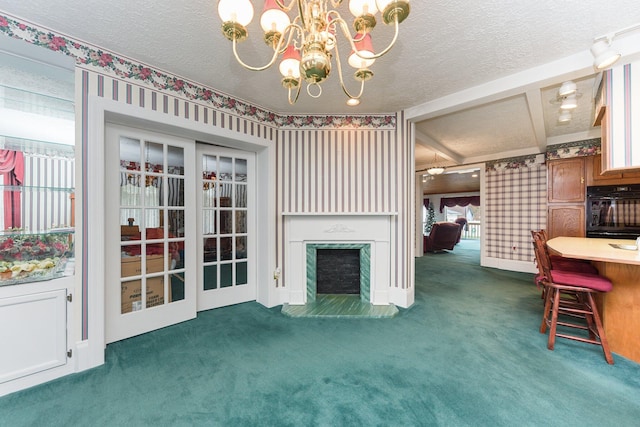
column 130, row 195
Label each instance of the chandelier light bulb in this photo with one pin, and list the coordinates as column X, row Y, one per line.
column 362, row 7
column 364, row 45
column 239, row 11
column 290, row 64
column 273, row 18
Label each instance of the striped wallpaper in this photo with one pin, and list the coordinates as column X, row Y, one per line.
column 350, row 170
column 623, row 96
column 43, row 210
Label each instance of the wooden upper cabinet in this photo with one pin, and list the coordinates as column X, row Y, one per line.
column 594, row 172
column 565, row 180
column 597, row 176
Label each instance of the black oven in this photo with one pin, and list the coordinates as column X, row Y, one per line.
column 613, row 211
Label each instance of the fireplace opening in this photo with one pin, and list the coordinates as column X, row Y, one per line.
column 338, row 271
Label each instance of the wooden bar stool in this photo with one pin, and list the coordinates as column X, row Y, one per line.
column 570, row 294
column 557, row 262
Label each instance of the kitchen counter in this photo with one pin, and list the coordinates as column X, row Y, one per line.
column 619, row 308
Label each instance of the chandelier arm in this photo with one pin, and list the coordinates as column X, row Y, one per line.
column 284, row 7
column 342, row 85
column 297, row 95
column 301, row 14
column 276, row 51
column 345, row 30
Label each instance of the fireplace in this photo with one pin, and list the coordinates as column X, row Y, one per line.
column 337, row 271
column 341, row 276
column 367, row 233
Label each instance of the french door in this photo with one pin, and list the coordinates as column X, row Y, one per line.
column 150, row 232
column 226, row 226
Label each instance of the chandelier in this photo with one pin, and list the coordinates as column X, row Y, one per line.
column 306, row 43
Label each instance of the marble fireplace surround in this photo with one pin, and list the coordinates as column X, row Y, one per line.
column 306, row 232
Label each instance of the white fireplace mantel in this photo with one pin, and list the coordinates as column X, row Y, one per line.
column 337, row 228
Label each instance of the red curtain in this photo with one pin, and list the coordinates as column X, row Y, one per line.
column 12, row 170
column 459, row 201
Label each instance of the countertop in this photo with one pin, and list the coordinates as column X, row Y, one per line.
column 594, row 249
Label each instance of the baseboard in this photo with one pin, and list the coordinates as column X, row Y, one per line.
column 511, row 265
column 403, row 298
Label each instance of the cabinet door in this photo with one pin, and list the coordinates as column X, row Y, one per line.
column 567, row 221
column 597, row 172
column 565, row 180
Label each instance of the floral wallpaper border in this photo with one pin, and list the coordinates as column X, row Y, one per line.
column 90, row 56
column 587, row 147
column 514, row 163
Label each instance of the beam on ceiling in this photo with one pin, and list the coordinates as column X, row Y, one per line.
column 513, row 85
column 427, row 141
column 536, row 114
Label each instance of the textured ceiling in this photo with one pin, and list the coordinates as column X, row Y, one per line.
column 475, row 77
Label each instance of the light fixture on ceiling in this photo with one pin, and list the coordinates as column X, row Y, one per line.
column 435, row 171
column 307, row 41
column 567, row 97
column 604, row 55
column 568, row 88
column 565, row 116
column 569, row 102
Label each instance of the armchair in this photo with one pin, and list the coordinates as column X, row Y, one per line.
column 443, row 235
column 463, row 226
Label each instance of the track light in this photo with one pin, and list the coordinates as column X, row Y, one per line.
column 604, row 56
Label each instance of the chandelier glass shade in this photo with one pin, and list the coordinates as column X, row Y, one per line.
column 304, row 35
column 435, row 171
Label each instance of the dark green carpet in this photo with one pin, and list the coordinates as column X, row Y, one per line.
column 468, row 353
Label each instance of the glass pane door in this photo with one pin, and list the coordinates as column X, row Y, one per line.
column 225, row 214
column 149, row 193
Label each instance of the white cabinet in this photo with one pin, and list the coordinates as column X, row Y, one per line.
column 34, row 334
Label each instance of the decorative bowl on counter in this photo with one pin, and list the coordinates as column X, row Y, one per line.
column 29, row 257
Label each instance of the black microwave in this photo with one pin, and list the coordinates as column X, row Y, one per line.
column 613, row 211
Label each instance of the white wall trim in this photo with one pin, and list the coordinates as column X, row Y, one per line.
column 511, row 265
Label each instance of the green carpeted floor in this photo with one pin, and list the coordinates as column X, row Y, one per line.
column 468, row 353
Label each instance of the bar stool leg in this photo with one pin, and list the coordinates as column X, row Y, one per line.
column 547, row 310
column 603, row 339
column 554, row 319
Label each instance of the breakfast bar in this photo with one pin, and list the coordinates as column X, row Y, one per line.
column 619, row 308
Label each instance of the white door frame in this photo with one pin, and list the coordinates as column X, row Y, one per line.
column 101, row 110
